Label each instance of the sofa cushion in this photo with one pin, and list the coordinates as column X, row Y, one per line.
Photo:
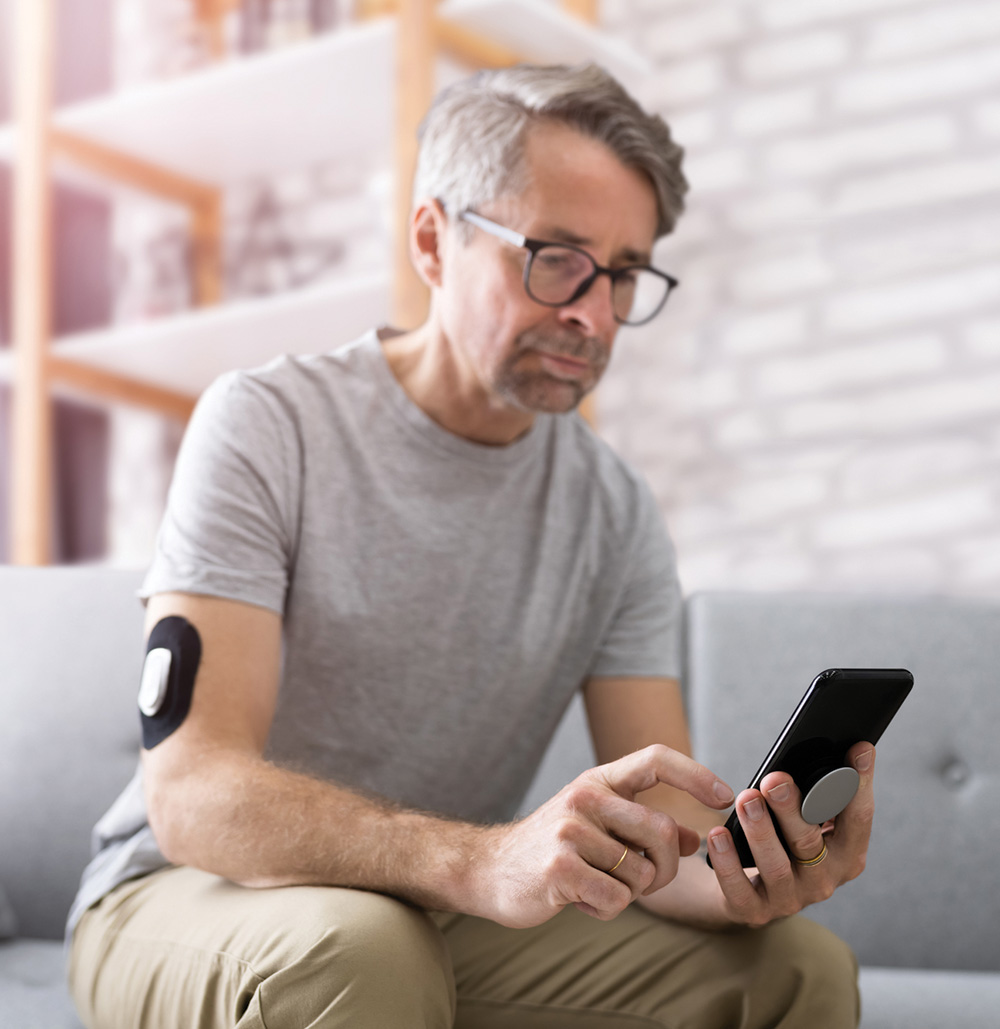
column 8, row 920
column 71, row 652
column 909, row 998
column 920, row 902
column 33, row 993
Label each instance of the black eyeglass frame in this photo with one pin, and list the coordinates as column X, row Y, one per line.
column 534, row 245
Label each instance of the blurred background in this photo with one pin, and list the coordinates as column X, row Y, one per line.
column 818, row 407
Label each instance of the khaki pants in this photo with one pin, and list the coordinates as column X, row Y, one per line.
column 181, row 949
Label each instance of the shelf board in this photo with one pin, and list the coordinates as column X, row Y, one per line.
column 542, row 32
column 254, row 116
column 290, row 109
column 186, row 352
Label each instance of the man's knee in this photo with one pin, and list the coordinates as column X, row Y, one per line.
column 813, row 972
column 377, row 962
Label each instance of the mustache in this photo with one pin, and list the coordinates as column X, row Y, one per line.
column 586, row 348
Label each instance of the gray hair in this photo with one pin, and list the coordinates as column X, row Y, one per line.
column 472, row 138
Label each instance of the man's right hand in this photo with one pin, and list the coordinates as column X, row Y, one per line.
column 566, row 851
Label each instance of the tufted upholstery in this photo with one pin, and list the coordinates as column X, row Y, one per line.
column 70, row 654
column 927, row 903
column 928, row 898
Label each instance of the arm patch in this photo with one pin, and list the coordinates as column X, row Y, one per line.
column 173, row 654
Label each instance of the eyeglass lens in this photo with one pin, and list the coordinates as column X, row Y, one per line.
column 557, row 272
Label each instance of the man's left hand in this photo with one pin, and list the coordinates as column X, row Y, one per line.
column 782, row 884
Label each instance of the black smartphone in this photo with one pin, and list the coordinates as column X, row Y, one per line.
column 842, row 706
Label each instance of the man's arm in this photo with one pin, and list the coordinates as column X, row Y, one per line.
column 626, row 713
column 215, row 803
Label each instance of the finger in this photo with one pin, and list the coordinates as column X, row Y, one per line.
column 661, row 839
column 634, row 869
column 645, row 768
column 739, row 891
column 601, row 895
column 853, row 826
column 770, row 857
column 784, row 798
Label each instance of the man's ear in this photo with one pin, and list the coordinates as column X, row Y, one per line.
column 427, row 240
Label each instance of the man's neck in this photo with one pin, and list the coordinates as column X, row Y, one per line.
column 427, row 367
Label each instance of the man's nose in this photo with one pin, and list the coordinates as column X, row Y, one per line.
column 593, row 313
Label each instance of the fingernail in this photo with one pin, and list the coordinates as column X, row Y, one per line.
column 780, row 793
column 720, row 842
column 754, row 809
column 723, row 792
column 864, row 760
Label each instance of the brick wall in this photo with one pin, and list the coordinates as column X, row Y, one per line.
column 819, row 406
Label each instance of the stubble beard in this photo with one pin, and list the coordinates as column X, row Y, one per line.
column 532, row 389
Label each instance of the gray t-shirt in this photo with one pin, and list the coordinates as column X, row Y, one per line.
column 442, row 600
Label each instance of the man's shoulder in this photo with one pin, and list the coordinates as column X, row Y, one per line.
column 290, row 384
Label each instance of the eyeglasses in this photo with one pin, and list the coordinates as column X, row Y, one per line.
column 557, row 274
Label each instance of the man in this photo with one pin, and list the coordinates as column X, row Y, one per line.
column 383, row 573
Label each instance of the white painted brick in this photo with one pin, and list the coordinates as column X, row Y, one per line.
column 884, row 569
column 769, row 571
column 695, row 29
column 695, row 521
column 949, row 180
column 779, row 495
column 752, row 334
column 943, row 512
column 784, row 14
column 982, row 339
column 703, row 569
column 979, row 558
column 915, row 300
column 789, row 208
column 657, row 7
column 832, row 154
column 741, row 431
column 876, row 362
column 774, row 112
column 924, row 32
column 919, row 82
column 806, row 54
column 796, row 271
column 912, row 409
column 698, row 395
column 895, row 468
column 986, row 117
column 717, row 170
column 694, row 129
column 947, row 240
column 685, row 82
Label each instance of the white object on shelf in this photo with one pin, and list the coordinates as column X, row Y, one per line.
column 542, row 32
column 186, row 352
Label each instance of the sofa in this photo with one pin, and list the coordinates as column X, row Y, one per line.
column 922, row 918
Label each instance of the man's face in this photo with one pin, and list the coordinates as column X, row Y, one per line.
column 523, row 354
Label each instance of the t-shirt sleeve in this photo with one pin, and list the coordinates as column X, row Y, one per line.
column 644, row 635
column 229, row 526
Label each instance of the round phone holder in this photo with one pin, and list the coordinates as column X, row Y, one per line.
column 827, row 797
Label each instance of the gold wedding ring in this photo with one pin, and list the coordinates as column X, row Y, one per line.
column 812, row 861
column 620, row 860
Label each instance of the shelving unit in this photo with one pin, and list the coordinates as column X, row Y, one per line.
column 186, row 140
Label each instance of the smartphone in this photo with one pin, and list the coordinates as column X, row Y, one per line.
column 842, row 706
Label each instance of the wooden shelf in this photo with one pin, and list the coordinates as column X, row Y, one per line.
column 254, row 116
column 542, row 32
column 185, row 352
column 359, row 90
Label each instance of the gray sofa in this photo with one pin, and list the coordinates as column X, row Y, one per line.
column 922, row 918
